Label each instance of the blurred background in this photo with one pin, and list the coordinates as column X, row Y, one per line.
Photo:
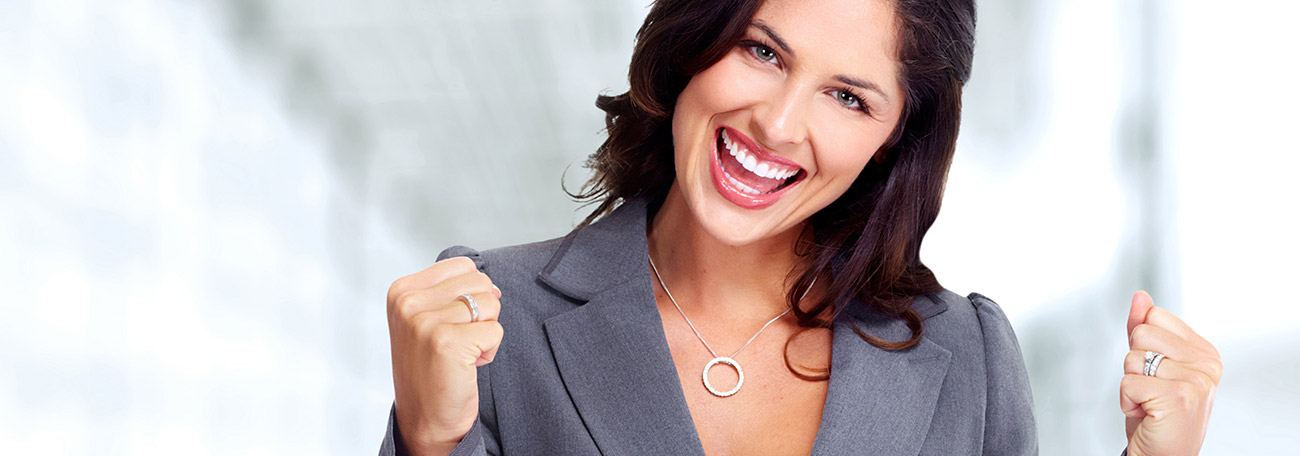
column 202, row 204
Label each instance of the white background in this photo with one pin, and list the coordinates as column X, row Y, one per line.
column 203, row 203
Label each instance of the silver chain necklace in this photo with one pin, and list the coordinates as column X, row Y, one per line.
column 728, row 360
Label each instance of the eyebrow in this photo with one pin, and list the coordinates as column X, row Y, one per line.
column 862, row 84
column 772, row 34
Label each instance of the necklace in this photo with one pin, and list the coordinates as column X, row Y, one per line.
column 728, row 360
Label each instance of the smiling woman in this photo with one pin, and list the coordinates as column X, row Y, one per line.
column 806, row 93
column 771, row 159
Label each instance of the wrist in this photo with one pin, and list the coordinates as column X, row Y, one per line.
column 429, row 448
column 428, row 444
column 418, row 440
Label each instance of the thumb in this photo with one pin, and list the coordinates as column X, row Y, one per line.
column 1137, row 313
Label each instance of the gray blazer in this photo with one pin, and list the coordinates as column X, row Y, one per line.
column 584, row 367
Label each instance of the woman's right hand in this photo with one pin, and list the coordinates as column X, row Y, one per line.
column 437, row 350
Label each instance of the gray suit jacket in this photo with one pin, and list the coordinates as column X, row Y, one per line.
column 584, row 367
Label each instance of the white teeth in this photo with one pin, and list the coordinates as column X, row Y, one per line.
column 742, row 186
column 750, row 163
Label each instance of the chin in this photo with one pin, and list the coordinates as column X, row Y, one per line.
column 738, row 227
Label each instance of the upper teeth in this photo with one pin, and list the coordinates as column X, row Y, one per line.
column 746, row 159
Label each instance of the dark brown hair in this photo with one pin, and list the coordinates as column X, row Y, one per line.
column 869, row 239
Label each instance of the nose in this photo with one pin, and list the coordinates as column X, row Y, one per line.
column 782, row 117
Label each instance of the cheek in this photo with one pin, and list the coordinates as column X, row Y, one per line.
column 729, row 85
column 844, row 152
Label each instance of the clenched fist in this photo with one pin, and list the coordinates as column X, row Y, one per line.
column 437, row 350
column 1167, row 413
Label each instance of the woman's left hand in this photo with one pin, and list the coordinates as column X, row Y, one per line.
column 1167, row 414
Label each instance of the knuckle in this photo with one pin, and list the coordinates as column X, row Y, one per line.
column 1125, row 384
column 1140, row 333
column 425, row 324
column 482, row 280
column 1203, row 382
column 401, row 284
column 459, row 263
column 405, row 304
column 442, row 340
column 1186, row 395
column 1132, row 360
column 1127, row 381
column 1215, row 368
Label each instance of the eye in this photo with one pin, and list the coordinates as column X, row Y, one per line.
column 763, row 53
column 849, row 100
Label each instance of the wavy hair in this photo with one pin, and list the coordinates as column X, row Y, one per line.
column 869, row 239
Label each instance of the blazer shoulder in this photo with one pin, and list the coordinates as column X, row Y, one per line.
column 970, row 323
column 526, row 259
column 963, row 314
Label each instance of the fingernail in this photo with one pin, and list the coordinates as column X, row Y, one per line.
column 497, row 290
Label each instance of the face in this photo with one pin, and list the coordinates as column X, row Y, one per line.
column 782, row 125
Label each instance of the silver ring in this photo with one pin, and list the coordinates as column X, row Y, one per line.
column 1153, row 360
column 473, row 307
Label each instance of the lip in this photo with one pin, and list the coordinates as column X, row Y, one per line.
column 735, row 195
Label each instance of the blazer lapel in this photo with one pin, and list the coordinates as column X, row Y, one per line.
column 879, row 401
column 611, row 351
column 615, row 363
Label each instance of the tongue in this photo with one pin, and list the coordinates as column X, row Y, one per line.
column 754, row 181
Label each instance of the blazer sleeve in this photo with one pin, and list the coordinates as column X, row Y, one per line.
column 481, row 439
column 1009, row 421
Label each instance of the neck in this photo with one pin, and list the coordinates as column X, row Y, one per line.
column 710, row 277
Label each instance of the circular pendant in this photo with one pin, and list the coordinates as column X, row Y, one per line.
column 729, row 362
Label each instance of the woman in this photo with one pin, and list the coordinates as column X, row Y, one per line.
column 749, row 282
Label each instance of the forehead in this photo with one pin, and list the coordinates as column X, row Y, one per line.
column 855, row 37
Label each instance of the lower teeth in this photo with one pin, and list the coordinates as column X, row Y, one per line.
column 743, row 187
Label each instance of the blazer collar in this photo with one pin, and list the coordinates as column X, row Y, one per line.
column 614, row 360
column 601, row 255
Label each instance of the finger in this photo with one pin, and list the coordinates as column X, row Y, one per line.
column 1139, row 395
column 465, row 344
column 1138, row 309
column 433, row 275
column 458, row 310
column 426, row 299
column 1160, row 340
column 487, row 356
column 1131, row 406
column 1168, row 369
column 1167, row 320
column 1160, row 399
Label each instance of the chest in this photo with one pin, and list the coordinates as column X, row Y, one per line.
column 774, row 412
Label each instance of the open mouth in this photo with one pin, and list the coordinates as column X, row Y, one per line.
column 751, row 170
